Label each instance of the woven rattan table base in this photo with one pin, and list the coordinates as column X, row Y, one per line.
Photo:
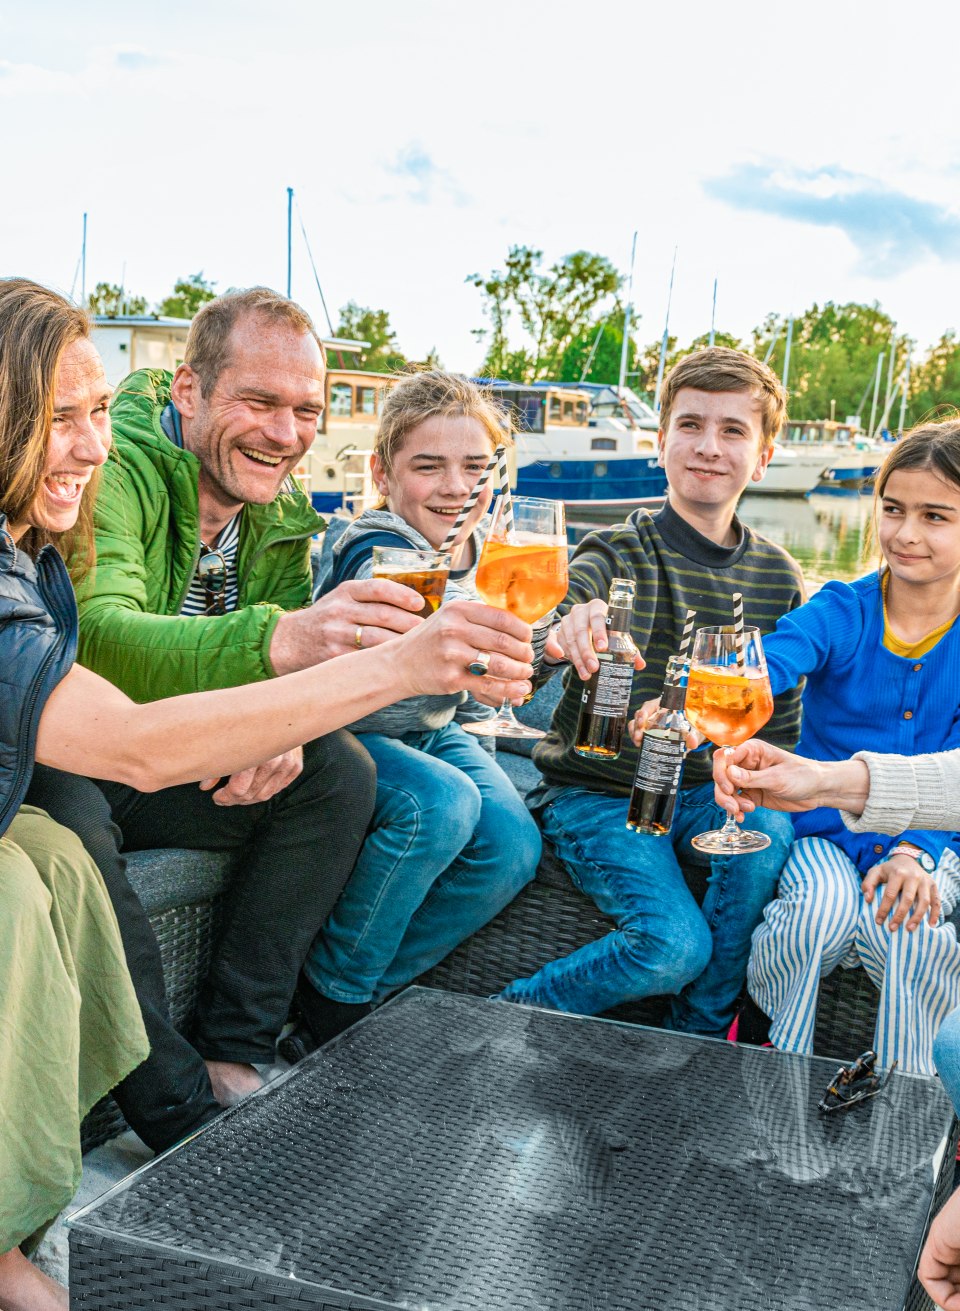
column 455, row 1154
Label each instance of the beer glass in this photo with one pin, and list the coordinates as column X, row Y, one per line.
column 728, row 700
column 425, row 571
column 523, row 569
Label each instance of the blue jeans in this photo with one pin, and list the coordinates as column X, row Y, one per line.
column 664, row 942
column 450, row 845
column 946, row 1056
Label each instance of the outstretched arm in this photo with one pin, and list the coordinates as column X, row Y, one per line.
column 768, row 776
column 89, row 727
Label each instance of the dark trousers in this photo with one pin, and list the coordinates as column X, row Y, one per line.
column 294, row 855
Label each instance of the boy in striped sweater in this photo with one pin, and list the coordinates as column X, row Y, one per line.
column 720, row 413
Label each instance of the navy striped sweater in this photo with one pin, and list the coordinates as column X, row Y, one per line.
column 676, row 569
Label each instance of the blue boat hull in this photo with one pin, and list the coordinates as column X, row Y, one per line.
column 585, row 485
column 326, row 502
column 594, row 483
column 855, row 477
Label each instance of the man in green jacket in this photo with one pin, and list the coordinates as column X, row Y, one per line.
column 202, row 580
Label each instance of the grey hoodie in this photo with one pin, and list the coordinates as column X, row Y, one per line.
column 416, row 714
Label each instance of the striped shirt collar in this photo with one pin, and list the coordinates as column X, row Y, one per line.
column 683, row 537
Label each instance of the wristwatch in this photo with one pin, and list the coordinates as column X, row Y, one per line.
column 923, row 858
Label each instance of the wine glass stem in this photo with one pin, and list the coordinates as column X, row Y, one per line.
column 730, row 830
column 505, row 713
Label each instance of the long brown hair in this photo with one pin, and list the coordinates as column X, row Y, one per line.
column 36, row 327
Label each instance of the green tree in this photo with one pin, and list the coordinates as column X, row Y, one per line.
column 360, row 323
column 554, row 308
column 935, row 384
column 833, row 358
column 187, row 296
column 109, row 299
column 649, row 363
column 601, row 344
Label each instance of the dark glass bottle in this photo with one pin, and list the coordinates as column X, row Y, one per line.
column 605, row 701
column 662, row 752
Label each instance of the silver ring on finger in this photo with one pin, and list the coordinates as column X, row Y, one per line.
column 481, row 665
column 358, row 637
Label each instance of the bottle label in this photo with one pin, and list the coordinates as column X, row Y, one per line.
column 612, row 685
column 661, row 759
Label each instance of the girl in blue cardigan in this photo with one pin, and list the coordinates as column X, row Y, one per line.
column 881, row 658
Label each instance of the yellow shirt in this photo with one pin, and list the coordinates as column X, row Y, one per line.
column 910, row 650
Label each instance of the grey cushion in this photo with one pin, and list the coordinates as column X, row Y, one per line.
column 174, row 877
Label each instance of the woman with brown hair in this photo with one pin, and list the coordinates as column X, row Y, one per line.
column 71, row 1024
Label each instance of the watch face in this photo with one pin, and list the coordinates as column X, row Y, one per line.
column 923, row 858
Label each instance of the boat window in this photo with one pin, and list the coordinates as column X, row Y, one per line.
column 555, row 407
column 599, row 470
column 341, row 400
column 556, row 471
column 603, row 444
column 366, row 400
column 581, row 411
column 568, row 409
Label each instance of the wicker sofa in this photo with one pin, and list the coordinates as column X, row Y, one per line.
column 181, row 890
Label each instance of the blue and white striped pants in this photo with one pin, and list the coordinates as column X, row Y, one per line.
column 820, row 921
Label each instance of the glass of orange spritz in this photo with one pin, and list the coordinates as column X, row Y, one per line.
column 523, row 569
column 728, row 700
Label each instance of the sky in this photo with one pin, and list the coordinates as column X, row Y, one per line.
column 797, row 154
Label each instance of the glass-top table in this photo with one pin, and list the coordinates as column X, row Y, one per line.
column 454, row 1154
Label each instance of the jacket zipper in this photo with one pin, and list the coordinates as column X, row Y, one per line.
column 277, row 541
column 26, row 719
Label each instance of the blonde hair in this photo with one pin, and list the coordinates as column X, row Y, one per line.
column 435, row 394
column 207, row 351
column 718, row 368
column 36, row 327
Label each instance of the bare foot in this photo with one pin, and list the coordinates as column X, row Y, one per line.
column 25, row 1288
column 231, row 1081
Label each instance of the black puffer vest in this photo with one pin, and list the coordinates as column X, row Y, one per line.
column 38, row 644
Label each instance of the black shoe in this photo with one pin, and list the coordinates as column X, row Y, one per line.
column 753, row 1028
column 298, row 1043
column 323, row 1017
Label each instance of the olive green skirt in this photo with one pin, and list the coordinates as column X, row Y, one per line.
column 70, row 1025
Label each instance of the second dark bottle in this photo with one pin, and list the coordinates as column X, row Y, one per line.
column 605, row 700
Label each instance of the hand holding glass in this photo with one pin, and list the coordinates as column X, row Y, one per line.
column 728, row 700
column 522, row 569
column 425, row 571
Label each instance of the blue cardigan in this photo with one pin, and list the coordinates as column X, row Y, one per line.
column 861, row 697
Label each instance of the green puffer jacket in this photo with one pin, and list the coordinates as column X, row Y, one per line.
column 147, row 536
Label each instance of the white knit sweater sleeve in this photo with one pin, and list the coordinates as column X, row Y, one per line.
column 909, row 792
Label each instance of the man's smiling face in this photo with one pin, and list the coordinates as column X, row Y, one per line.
column 261, row 415
column 712, row 448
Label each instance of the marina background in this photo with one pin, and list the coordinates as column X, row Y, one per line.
column 825, row 532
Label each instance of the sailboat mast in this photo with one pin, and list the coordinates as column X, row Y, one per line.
column 903, row 395
column 625, row 347
column 83, row 264
column 713, row 314
column 786, row 353
column 289, row 240
column 887, row 395
column 666, row 334
column 876, row 393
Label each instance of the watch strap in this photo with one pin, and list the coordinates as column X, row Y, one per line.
column 923, row 858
